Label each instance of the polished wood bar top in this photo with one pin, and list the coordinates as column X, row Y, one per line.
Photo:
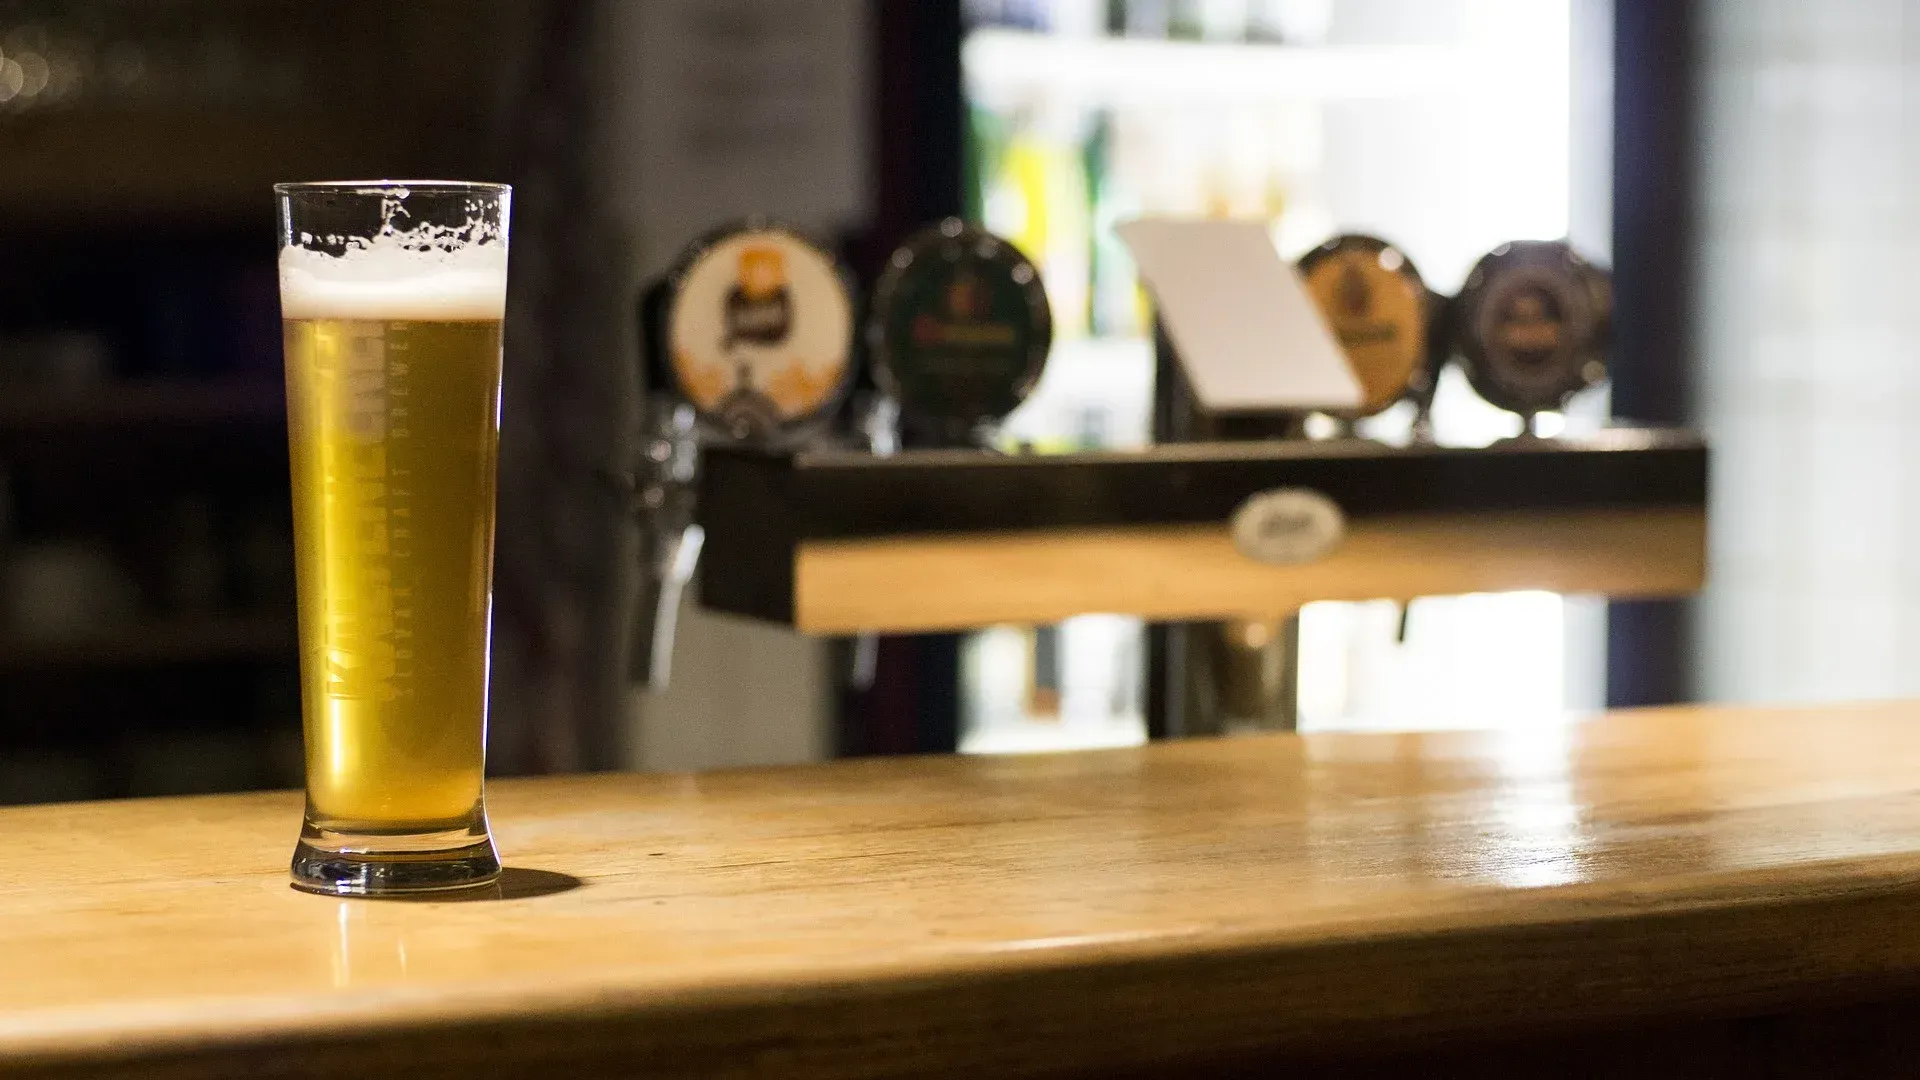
column 1129, row 909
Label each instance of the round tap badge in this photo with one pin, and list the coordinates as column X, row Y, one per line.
column 1533, row 323
column 1379, row 310
column 960, row 329
column 759, row 331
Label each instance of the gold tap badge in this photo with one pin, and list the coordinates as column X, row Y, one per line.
column 1376, row 307
column 761, row 331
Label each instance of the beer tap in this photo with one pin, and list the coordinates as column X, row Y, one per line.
column 959, row 332
column 1244, row 674
column 748, row 341
column 670, row 538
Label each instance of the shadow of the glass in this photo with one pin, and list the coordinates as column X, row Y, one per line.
column 514, row 883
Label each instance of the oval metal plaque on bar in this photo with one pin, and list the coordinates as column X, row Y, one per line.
column 1288, row 526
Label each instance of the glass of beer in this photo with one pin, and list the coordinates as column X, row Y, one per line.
column 392, row 296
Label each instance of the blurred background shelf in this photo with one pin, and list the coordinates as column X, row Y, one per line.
column 1131, row 71
column 161, row 402
column 159, row 641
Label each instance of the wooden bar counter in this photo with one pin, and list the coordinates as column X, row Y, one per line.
column 1682, row 892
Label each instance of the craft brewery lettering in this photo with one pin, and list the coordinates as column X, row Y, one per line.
column 760, row 306
column 963, row 325
column 1353, row 327
column 928, row 330
column 1531, row 326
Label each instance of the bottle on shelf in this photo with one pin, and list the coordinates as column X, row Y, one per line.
column 1113, row 169
column 1224, row 20
column 1077, row 18
column 1298, row 203
column 1030, row 15
column 1037, row 200
column 1266, row 23
column 1043, row 673
column 983, row 150
column 1147, row 19
column 1289, row 22
column 1186, row 20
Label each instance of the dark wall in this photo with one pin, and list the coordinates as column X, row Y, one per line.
column 1656, row 117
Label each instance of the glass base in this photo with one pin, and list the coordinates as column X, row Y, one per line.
column 336, row 859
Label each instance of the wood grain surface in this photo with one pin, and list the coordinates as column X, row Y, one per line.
column 1195, row 572
column 1132, row 910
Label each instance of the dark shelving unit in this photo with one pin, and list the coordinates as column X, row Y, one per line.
column 147, row 640
column 144, row 402
column 138, row 222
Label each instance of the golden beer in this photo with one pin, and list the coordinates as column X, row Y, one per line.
column 394, row 434
column 392, row 297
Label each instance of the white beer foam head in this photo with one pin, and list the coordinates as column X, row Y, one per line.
column 386, row 278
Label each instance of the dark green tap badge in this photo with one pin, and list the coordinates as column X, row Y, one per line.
column 960, row 328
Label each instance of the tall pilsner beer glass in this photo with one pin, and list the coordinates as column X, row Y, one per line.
column 393, row 295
